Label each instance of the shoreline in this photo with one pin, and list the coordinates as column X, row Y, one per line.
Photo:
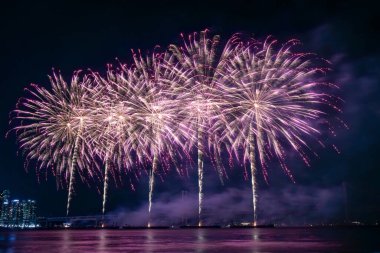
column 3, row 229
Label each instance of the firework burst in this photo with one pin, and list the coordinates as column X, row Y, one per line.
column 272, row 99
column 200, row 68
column 52, row 128
column 148, row 93
column 111, row 127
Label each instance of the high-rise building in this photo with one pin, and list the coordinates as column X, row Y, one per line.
column 28, row 212
column 5, row 204
column 17, row 213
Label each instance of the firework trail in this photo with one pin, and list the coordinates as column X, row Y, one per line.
column 110, row 128
column 149, row 95
column 272, row 97
column 201, row 65
column 52, row 128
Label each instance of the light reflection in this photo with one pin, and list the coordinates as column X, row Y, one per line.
column 7, row 239
column 256, row 240
column 66, row 241
column 102, row 240
column 149, row 241
column 181, row 240
column 201, row 240
column 255, row 234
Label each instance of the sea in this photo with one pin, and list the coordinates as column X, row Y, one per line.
column 211, row 240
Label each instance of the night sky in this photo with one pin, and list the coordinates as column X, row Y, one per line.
column 36, row 37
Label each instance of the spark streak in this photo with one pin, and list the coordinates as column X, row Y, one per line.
column 105, row 186
column 72, row 167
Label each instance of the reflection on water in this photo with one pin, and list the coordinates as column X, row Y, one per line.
column 255, row 235
column 102, row 241
column 192, row 240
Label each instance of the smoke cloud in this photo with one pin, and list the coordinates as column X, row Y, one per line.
column 294, row 205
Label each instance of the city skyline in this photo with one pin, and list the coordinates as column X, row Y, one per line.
column 17, row 213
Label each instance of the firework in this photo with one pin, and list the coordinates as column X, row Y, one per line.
column 253, row 100
column 200, row 67
column 52, row 128
column 110, row 128
column 272, row 97
column 147, row 91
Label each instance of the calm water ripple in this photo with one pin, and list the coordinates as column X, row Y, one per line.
column 193, row 240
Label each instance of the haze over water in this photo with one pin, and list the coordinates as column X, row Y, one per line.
column 193, row 240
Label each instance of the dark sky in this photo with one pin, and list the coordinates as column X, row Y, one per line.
column 67, row 35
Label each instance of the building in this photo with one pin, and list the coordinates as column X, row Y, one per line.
column 4, row 215
column 17, row 213
column 28, row 212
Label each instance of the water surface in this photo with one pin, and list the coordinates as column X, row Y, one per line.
column 193, row 240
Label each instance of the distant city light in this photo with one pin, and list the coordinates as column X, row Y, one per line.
column 17, row 213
